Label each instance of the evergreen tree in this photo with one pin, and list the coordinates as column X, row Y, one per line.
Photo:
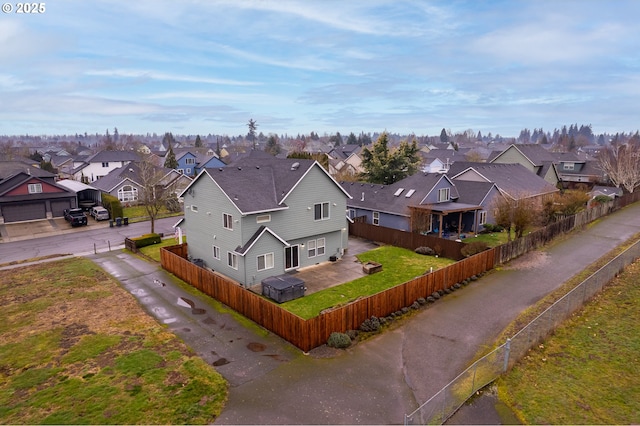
column 384, row 166
column 273, row 147
column 198, row 142
column 252, row 125
column 170, row 161
column 352, row 139
column 444, row 136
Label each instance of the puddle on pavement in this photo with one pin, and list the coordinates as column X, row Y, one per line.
column 256, row 347
column 275, row 357
column 221, row 361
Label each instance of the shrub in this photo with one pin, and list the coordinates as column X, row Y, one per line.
column 370, row 324
column 428, row 251
column 474, row 248
column 112, row 204
column 489, row 228
column 339, row 340
column 146, row 240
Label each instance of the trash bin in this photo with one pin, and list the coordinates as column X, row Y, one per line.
column 198, row 262
column 110, row 224
column 118, row 221
column 125, row 220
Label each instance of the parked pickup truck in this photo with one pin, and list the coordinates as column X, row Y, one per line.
column 75, row 217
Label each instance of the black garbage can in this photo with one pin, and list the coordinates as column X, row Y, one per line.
column 125, row 220
column 118, row 221
column 110, row 224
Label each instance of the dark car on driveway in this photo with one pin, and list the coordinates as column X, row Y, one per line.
column 75, row 217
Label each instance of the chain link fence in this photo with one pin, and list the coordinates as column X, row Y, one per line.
column 484, row 371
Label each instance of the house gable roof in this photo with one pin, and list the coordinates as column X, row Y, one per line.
column 397, row 197
column 260, row 183
column 512, row 179
column 260, row 232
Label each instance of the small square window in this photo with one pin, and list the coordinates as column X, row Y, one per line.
column 35, row 188
column 265, row 261
column 232, row 260
column 216, row 252
column 321, row 211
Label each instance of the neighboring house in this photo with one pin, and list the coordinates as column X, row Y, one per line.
column 533, row 157
column 513, row 180
column 574, row 169
column 607, row 191
column 264, row 217
column 438, row 160
column 423, row 202
column 191, row 161
column 126, row 184
column 29, row 193
column 208, row 161
column 92, row 168
column 345, row 159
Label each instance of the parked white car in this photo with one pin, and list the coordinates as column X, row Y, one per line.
column 99, row 213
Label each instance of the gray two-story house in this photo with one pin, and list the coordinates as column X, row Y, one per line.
column 264, row 216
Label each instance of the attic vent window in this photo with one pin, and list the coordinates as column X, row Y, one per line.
column 398, row 192
column 295, row 166
column 410, row 193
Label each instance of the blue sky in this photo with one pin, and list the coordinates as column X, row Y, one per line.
column 200, row 67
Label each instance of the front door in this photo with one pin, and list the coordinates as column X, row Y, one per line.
column 291, row 257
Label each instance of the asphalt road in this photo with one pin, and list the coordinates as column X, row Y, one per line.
column 81, row 240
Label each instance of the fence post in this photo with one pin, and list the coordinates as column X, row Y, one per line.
column 507, row 350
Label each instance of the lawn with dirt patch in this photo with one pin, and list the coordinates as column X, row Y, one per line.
column 586, row 372
column 77, row 348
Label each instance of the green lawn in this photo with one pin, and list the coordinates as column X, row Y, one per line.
column 400, row 266
column 75, row 347
column 139, row 213
column 153, row 251
column 586, row 373
column 493, row 239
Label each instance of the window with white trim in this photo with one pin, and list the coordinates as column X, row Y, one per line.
column 128, row 193
column 232, row 260
column 194, row 209
column 320, row 246
column 482, row 218
column 263, row 218
column 321, row 211
column 189, row 160
column 188, row 171
column 265, row 261
column 376, row 218
column 105, row 164
column 216, row 252
column 443, row 195
column 35, row 188
column 227, row 221
column 352, row 214
column 569, row 166
column 311, row 248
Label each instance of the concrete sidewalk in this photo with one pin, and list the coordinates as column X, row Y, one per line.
column 382, row 379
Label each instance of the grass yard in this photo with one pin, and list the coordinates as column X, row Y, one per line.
column 493, row 239
column 153, row 251
column 400, row 265
column 77, row 348
column 139, row 213
column 586, row 373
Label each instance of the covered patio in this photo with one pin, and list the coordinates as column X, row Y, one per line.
column 446, row 219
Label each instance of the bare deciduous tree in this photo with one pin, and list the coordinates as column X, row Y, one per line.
column 156, row 190
column 621, row 163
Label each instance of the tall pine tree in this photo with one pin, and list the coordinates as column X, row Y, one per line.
column 170, row 161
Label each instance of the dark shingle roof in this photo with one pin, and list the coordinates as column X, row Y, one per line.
column 514, row 179
column 260, row 183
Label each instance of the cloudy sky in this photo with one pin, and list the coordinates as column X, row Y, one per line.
column 200, row 66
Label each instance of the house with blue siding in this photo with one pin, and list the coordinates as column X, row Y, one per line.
column 423, row 202
column 264, row 216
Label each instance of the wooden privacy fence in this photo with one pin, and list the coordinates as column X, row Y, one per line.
column 308, row 334
column 409, row 240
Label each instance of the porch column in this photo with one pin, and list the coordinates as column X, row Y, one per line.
column 459, row 224
column 440, row 225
